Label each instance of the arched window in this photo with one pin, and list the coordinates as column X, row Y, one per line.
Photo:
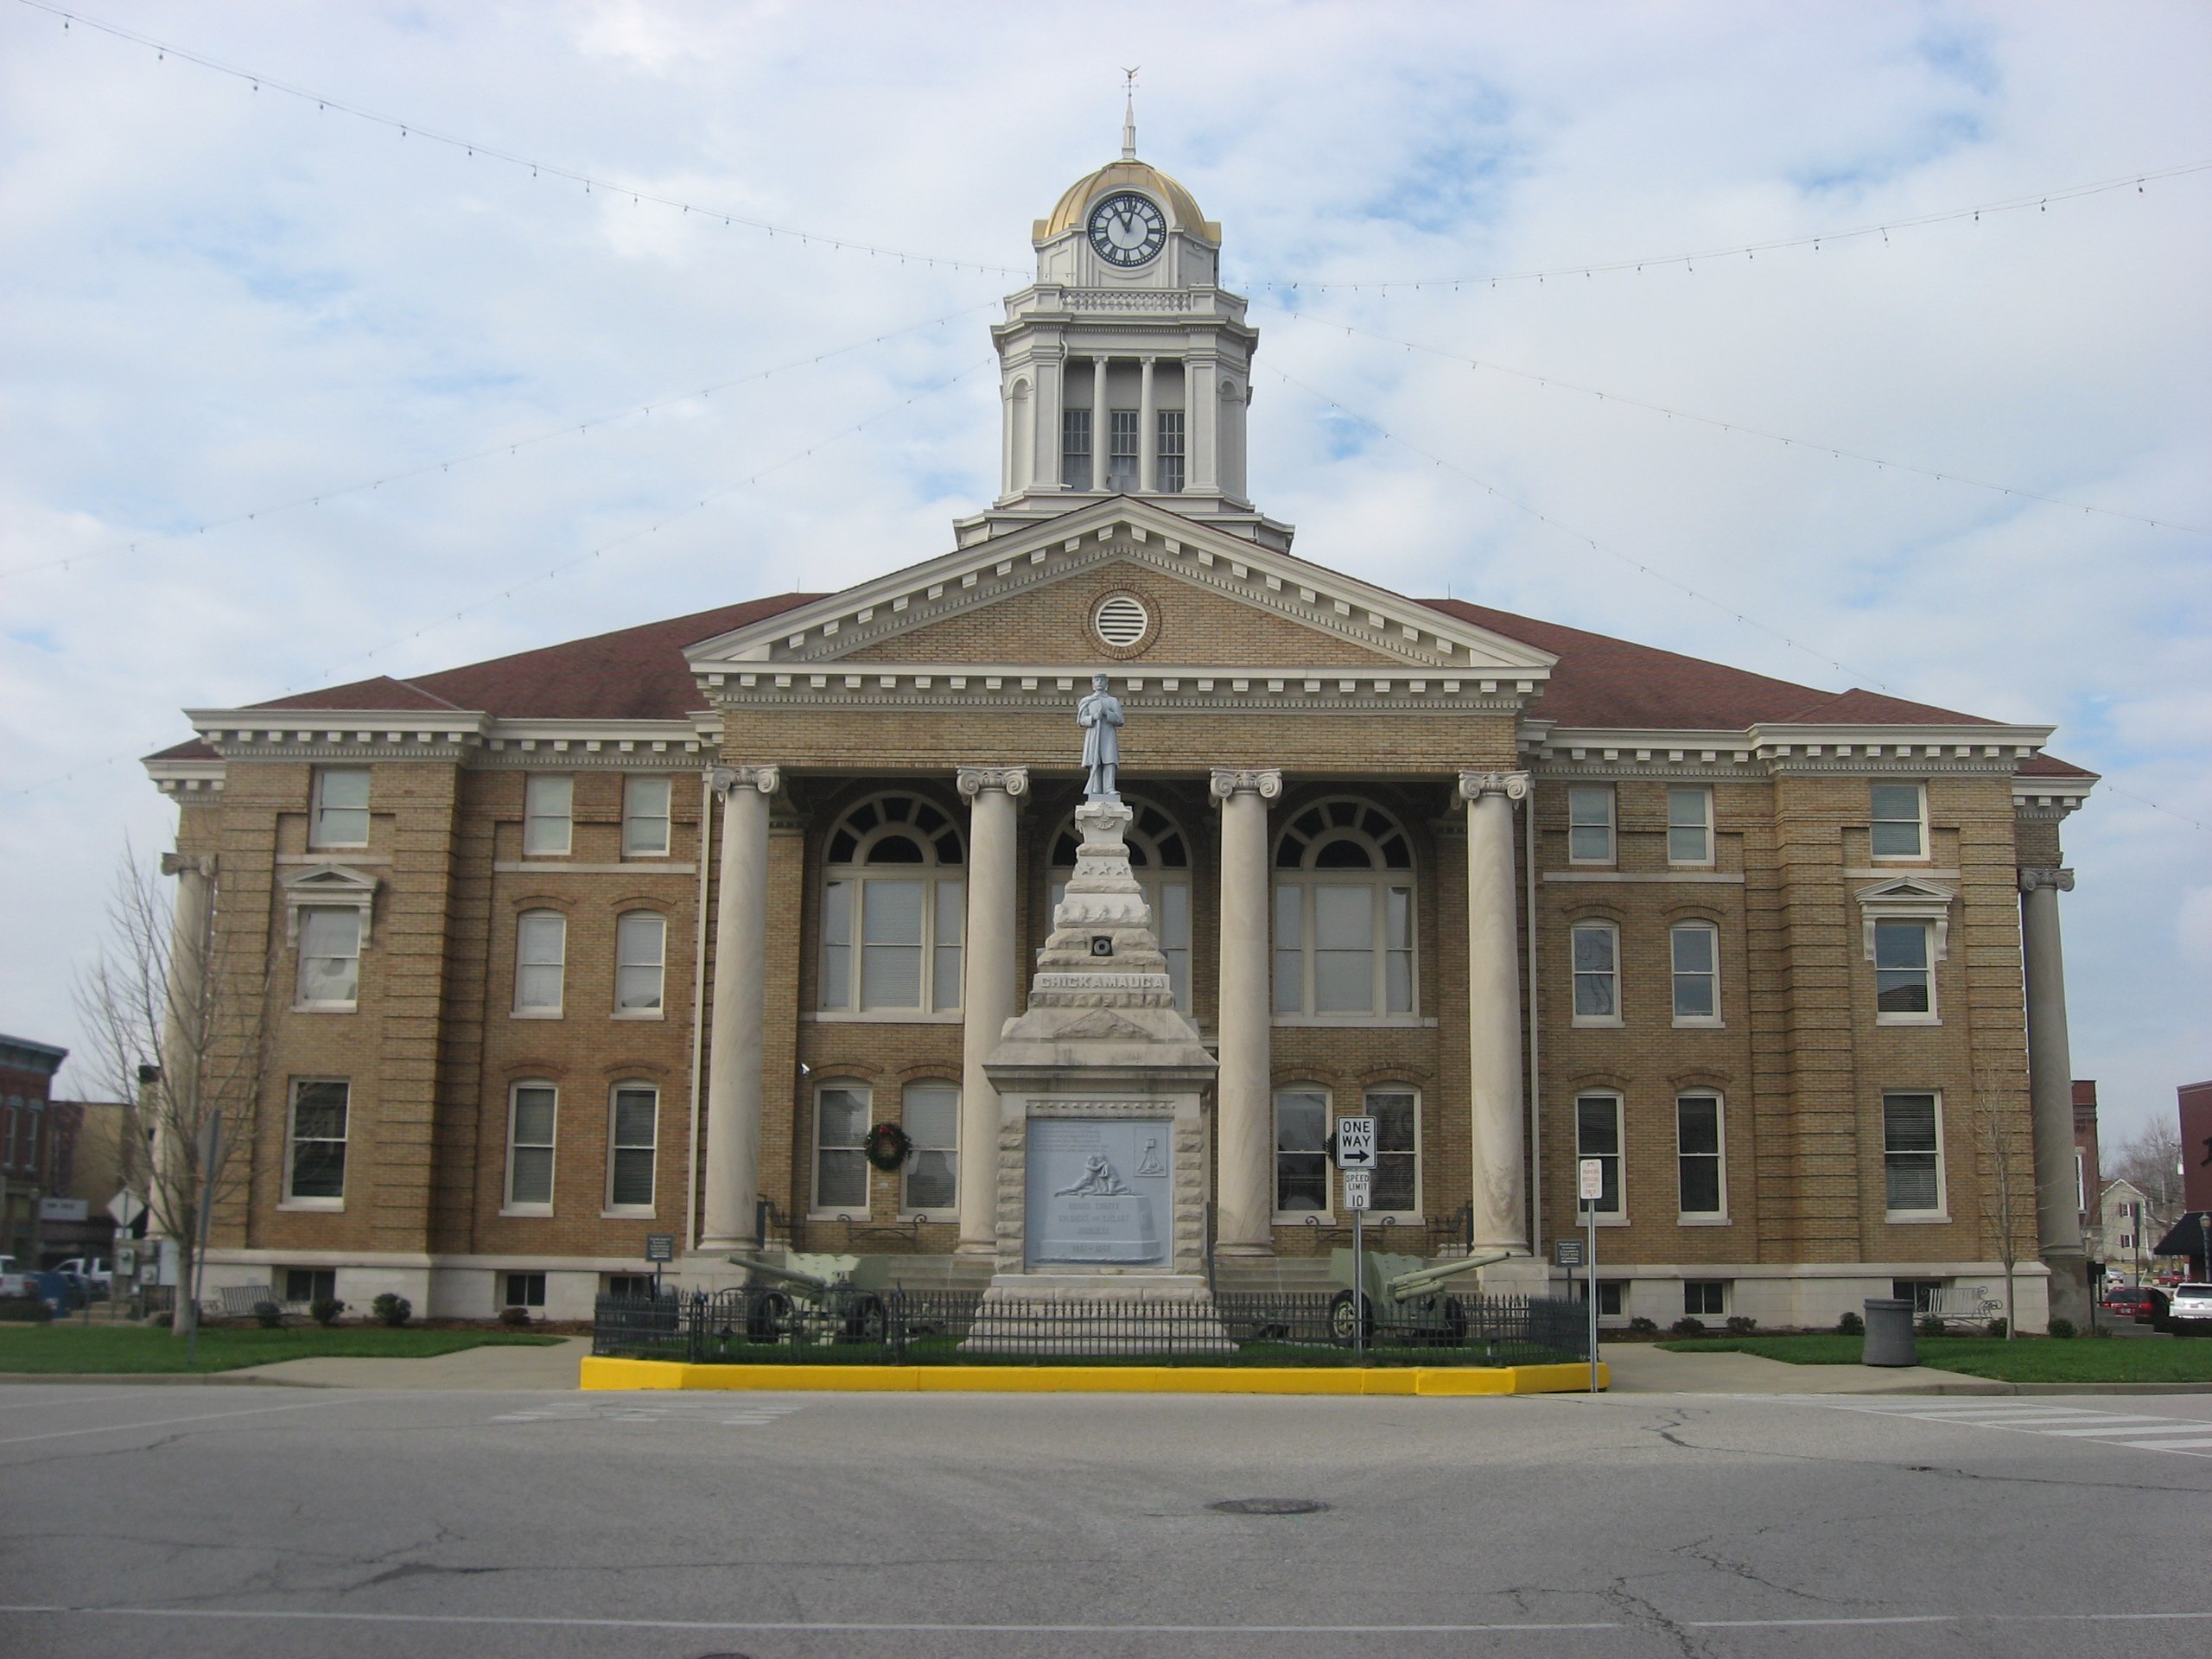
column 1343, row 914
column 894, row 901
column 1160, row 858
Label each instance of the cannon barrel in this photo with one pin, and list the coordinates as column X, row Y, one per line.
column 806, row 1281
column 1408, row 1285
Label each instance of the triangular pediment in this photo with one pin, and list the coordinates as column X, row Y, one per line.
column 329, row 880
column 1027, row 599
column 1906, row 890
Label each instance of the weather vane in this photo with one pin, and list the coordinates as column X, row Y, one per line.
column 1130, row 111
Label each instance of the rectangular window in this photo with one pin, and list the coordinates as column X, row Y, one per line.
column 1610, row 1296
column 341, row 807
column 1899, row 829
column 525, row 1290
column 1075, row 448
column 890, row 944
column 1912, row 1153
column 1290, row 950
column 1301, row 1158
column 640, row 955
column 315, row 1172
column 1905, row 981
column 931, row 1120
column 1704, row 1298
column 630, row 1287
column 1696, row 947
column 1171, row 908
column 1700, row 1156
column 1398, row 950
column 10, row 1142
column 644, row 817
column 1121, row 449
column 1922, row 1293
column 840, row 1163
column 330, row 957
column 548, row 814
column 1689, row 826
column 1596, row 973
column 637, row 1134
column 837, row 944
column 1597, row 1134
column 541, row 949
column 1589, row 826
column 1397, row 1187
column 529, row 1146
column 951, row 900
column 310, row 1284
column 1344, row 949
column 1167, row 464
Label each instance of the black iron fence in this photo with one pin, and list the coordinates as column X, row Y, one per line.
column 768, row 1324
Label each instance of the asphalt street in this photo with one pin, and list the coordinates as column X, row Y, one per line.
column 190, row 1521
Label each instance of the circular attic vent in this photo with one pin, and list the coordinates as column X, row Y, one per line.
column 1122, row 621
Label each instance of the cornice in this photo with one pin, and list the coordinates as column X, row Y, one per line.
column 1783, row 749
column 1287, row 690
column 185, row 779
column 465, row 738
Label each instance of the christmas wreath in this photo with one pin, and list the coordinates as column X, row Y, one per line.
column 888, row 1146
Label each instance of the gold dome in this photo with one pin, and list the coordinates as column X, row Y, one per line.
column 1183, row 213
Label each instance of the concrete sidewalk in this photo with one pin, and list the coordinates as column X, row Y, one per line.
column 490, row 1367
column 1645, row 1368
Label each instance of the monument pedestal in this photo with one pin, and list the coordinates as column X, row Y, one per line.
column 1103, row 1148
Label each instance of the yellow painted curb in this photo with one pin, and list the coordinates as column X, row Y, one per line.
column 604, row 1374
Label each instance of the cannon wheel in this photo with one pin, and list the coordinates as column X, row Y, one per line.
column 1342, row 1331
column 768, row 1316
column 864, row 1320
column 1455, row 1322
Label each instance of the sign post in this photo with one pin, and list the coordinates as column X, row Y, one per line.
column 1591, row 1175
column 1356, row 1161
column 659, row 1248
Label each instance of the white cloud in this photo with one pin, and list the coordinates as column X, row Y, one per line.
column 225, row 298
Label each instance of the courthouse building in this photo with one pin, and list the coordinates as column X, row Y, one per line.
column 646, row 932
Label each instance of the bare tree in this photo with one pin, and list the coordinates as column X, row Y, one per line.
column 2150, row 1161
column 174, row 1010
column 2007, row 1187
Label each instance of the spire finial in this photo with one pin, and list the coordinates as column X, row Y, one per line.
column 1129, row 113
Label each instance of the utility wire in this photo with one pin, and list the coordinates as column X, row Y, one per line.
column 591, row 181
column 1786, row 441
column 2039, row 200
column 510, row 446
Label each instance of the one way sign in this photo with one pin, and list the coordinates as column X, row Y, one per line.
column 1355, row 1143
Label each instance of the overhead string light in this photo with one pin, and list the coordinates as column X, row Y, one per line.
column 164, row 50
column 509, row 448
column 1810, row 445
column 2040, row 200
column 1640, row 566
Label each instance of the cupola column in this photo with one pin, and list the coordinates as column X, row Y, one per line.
column 1147, row 431
column 1098, row 424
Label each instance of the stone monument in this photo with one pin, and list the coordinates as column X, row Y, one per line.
column 1102, row 1149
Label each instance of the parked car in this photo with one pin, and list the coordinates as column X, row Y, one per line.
column 14, row 1281
column 2192, row 1306
column 99, row 1277
column 2144, row 1304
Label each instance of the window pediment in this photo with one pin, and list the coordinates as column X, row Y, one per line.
column 334, row 886
column 1907, row 898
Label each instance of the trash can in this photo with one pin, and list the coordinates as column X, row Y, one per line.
column 1888, row 1334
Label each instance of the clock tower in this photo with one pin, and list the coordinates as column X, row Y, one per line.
column 1125, row 368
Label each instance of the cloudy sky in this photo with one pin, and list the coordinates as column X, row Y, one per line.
column 223, row 299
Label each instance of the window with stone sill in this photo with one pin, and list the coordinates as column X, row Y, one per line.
column 1395, row 1189
column 929, row 1182
column 330, row 958
column 340, row 817
column 894, row 909
column 548, row 814
column 1594, row 957
column 1695, row 948
column 1700, row 1157
column 1898, row 829
column 531, row 1110
column 1589, row 824
column 1301, row 1152
column 633, row 1139
column 640, row 964
column 1689, row 826
column 841, row 1126
column 1159, row 859
column 646, row 817
column 1343, row 916
column 541, row 953
column 314, row 1166
column 1598, row 1133
column 1912, row 1154
column 1904, row 973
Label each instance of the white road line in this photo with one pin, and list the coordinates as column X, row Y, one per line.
column 2113, row 1425
column 2183, row 1436
column 335, row 1398
column 2190, row 1445
column 100, row 1393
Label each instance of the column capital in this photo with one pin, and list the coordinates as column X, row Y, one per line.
column 1266, row 782
column 2034, row 876
column 1013, row 780
column 725, row 781
column 1474, row 785
column 187, row 864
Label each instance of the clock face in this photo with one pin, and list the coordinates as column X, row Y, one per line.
column 1127, row 229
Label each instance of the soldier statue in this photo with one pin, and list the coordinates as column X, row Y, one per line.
column 1100, row 716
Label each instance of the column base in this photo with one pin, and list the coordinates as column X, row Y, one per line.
column 2069, row 1286
column 1244, row 1252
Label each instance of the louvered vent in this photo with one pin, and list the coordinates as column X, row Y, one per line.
column 1122, row 621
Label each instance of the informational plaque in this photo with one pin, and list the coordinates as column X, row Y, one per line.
column 1101, row 1191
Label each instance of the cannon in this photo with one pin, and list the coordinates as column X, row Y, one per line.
column 1403, row 1295
column 833, row 1299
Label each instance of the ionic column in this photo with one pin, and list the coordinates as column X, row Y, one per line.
column 1147, row 431
column 989, row 959
column 2050, row 1088
column 738, row 1036
column 1494, row 1010
column 1097, row 422
column 1244, row 1189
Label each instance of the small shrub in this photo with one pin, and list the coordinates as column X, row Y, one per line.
column 25, row 1310
column 1997, row 1327
column 1851, row 1325
column 1687, row 1325
column 324, row 1310
column 1741, row 1325
column 2062, row 1327
column 268, row 1316
column 514, row 1316
column 1640, row 1327
column 1930, row 1326
column 162, row 1320
column 392, row 1310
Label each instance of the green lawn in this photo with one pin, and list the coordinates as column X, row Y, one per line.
column 2032, row 1359
column 65, row 1346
